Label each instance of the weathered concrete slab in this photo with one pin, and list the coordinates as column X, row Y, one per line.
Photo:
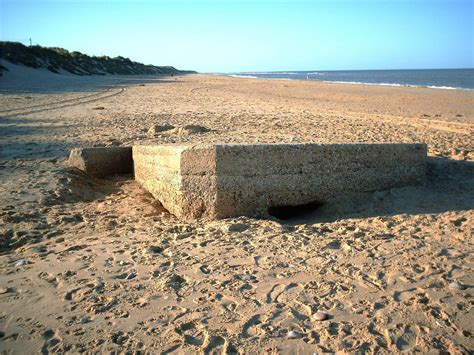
column 102, row 161
column 219, row 181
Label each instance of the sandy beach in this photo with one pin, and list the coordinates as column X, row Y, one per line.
column 98, row 265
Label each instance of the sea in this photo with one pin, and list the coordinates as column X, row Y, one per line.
column 453, row 79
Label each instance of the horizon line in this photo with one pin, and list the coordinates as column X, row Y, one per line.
column 330, row 70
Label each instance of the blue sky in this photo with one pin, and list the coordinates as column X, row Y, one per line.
column 231, row 36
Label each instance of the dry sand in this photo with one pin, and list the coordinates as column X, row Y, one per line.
column 98, row 265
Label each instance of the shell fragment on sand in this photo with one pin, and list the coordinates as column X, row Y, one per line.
column 227, row 180
column 102, row 161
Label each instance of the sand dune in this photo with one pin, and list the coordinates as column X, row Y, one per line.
column 98, row 265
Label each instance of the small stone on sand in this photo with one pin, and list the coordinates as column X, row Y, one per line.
column 320, row 316
column 159, row 128
column 190, row 129
column 85, row 320
column 457, row 286
column 155, row 249
column 248, row 277
column 131, row 276
column 293, row 334
column 237, row 227
column 21, row 262
column 195, row 129
column 4, row 290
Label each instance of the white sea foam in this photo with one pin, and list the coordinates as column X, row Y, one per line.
column 446, row 88
column 256, row 73
column 286, row 73
column 361, row 83
column 398, row 85
column 243, row 76
column 270, row 73
column 255, row 77
column 249, row 76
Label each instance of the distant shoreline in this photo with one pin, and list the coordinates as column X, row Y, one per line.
column 446, row 79
column 356, row 83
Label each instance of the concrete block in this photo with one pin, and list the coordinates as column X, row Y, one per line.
column 102, row 161
column 227, row 180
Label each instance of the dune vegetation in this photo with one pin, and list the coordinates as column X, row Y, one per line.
column 58, row 60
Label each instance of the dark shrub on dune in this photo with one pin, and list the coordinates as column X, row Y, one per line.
column 56, row 59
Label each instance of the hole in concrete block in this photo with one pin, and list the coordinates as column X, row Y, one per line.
column 298, row 211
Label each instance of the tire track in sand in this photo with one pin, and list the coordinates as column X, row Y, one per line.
column 66, row 103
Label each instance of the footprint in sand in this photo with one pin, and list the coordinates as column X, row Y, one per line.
column 273, row 293
column 403, row 295
column 52, row 342
column 50, row 278
column 407, row 340
column 249, row 328
column 127, row 275
column 216, row 345
column 289, row 293
column 68, row 296
column 191, row 333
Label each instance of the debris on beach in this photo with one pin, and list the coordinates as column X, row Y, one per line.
column 320, row 316
column 293, row 334
column 159, row 129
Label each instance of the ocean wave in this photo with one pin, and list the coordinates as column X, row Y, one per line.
column 286, row 73
column 446, row 88
column 247, row 76
column 243, row 76
column 398, row 85
column 362, row 83
column 271, row 73
column 255, row 73
column 255, row 77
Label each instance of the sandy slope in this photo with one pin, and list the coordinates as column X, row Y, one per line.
column 97, row 265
